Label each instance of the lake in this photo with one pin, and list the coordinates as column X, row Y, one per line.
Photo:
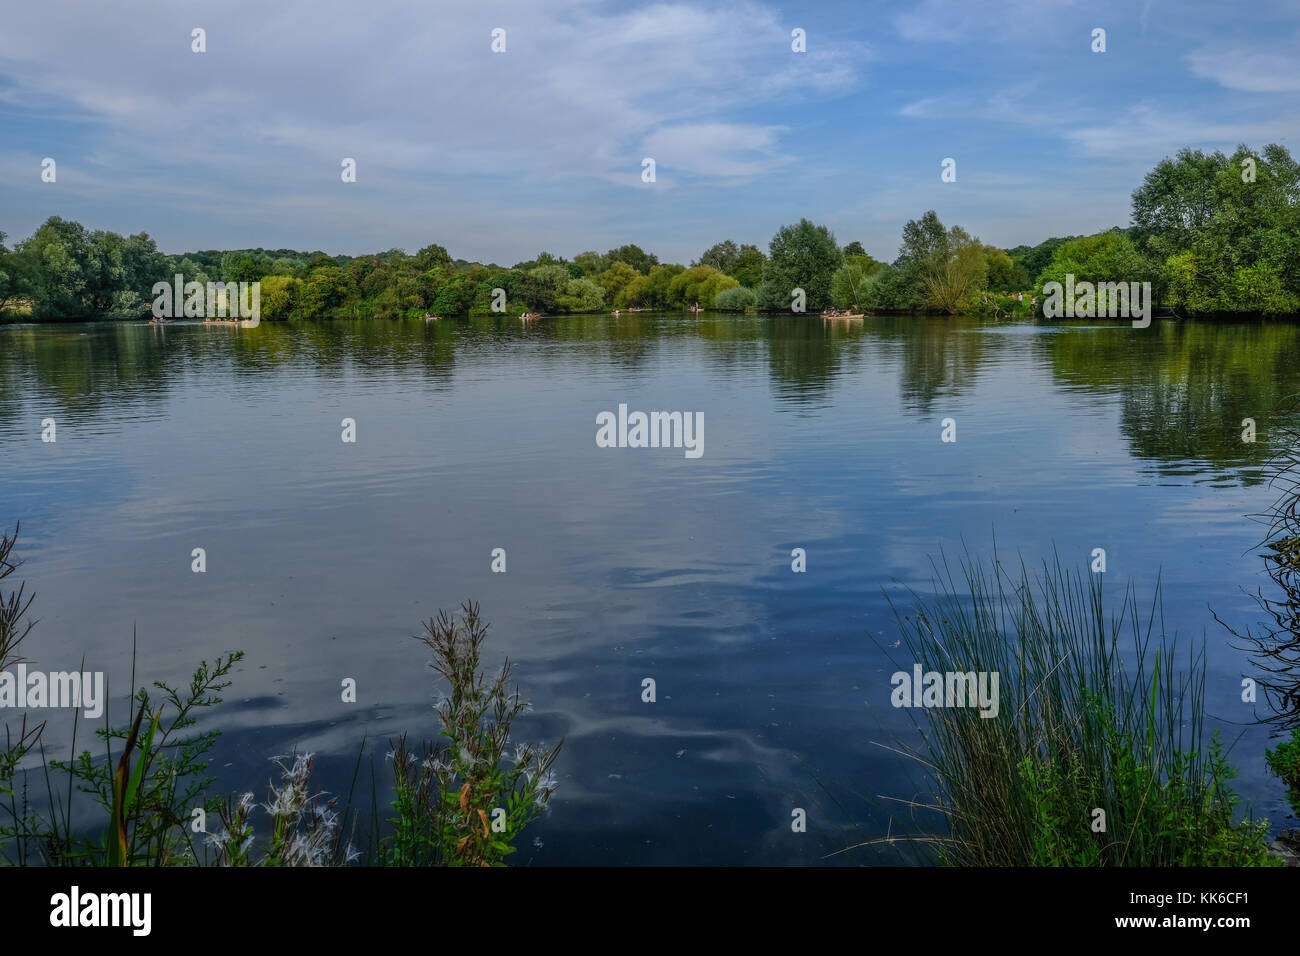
column 323, row 557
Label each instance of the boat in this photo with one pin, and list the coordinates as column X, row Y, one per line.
column 842, row 315
column 530, row 315
column 431, row 318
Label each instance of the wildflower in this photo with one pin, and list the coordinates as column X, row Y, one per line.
column 546, row 785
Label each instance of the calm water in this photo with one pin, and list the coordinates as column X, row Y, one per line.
column 773, row 688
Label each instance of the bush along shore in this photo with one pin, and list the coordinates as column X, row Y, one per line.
column 464, row 800
column 1212, row 235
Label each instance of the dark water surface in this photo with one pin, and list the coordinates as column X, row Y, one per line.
column 773, row 687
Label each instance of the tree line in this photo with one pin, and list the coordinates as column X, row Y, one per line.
column 1214, row 234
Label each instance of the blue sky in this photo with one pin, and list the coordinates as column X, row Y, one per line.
column 498, row 156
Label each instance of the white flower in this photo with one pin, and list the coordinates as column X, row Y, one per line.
column 546, row 786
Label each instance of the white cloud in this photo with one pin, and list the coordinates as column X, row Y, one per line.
column 1251, row 69
column 1143, row 132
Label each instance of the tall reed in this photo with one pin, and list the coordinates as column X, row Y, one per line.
column 1097, row 755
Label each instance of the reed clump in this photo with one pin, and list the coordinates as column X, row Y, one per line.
column 1097, row 755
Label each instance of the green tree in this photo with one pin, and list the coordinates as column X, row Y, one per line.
column 11, row 278
column 635, row 256
column 1226, row 228
column 592, row 263
column 323, row 291
column 1004, row 273
column 924, row 249
column 581, row 295
column 615, row 278
column 1107, row 256
column 655, row 292
column 279, row 296
column 57, row 261
column 432, row 256
column 849, row 283
column 800, row 256
column 748, row 267
column 698, row 284
column 955, row 282
column 721, row 256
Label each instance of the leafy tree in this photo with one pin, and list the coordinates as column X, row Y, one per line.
column 655, row 292
column 748, row 267
column 854, row 248
column 1033, row 260
column 11, row 276
column 633, row 294
column 57, row 260
column 581, row 295
column 924, row 248
column 698, row 284
column 955, row 282
column 1226, row 228
column 324, row 290
column 455, row 296
column 803, row 256
column 891, row 290
column 1003, row 272
column 1107, row 256
column 849, row 283
column 1176, row 199
column 549, row 283
column 592, row 263
column 721, row 256
column 634, row 256
column 279, row 296
column 431, row 257
column 613, row 279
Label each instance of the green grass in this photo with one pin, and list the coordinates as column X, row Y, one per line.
column 1284, row 760
column 1095, row 719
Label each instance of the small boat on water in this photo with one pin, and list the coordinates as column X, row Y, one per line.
column 431, row 318
column 530, row 315
column 832, row 314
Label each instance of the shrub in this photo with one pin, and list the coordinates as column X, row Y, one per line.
column 737, row 299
